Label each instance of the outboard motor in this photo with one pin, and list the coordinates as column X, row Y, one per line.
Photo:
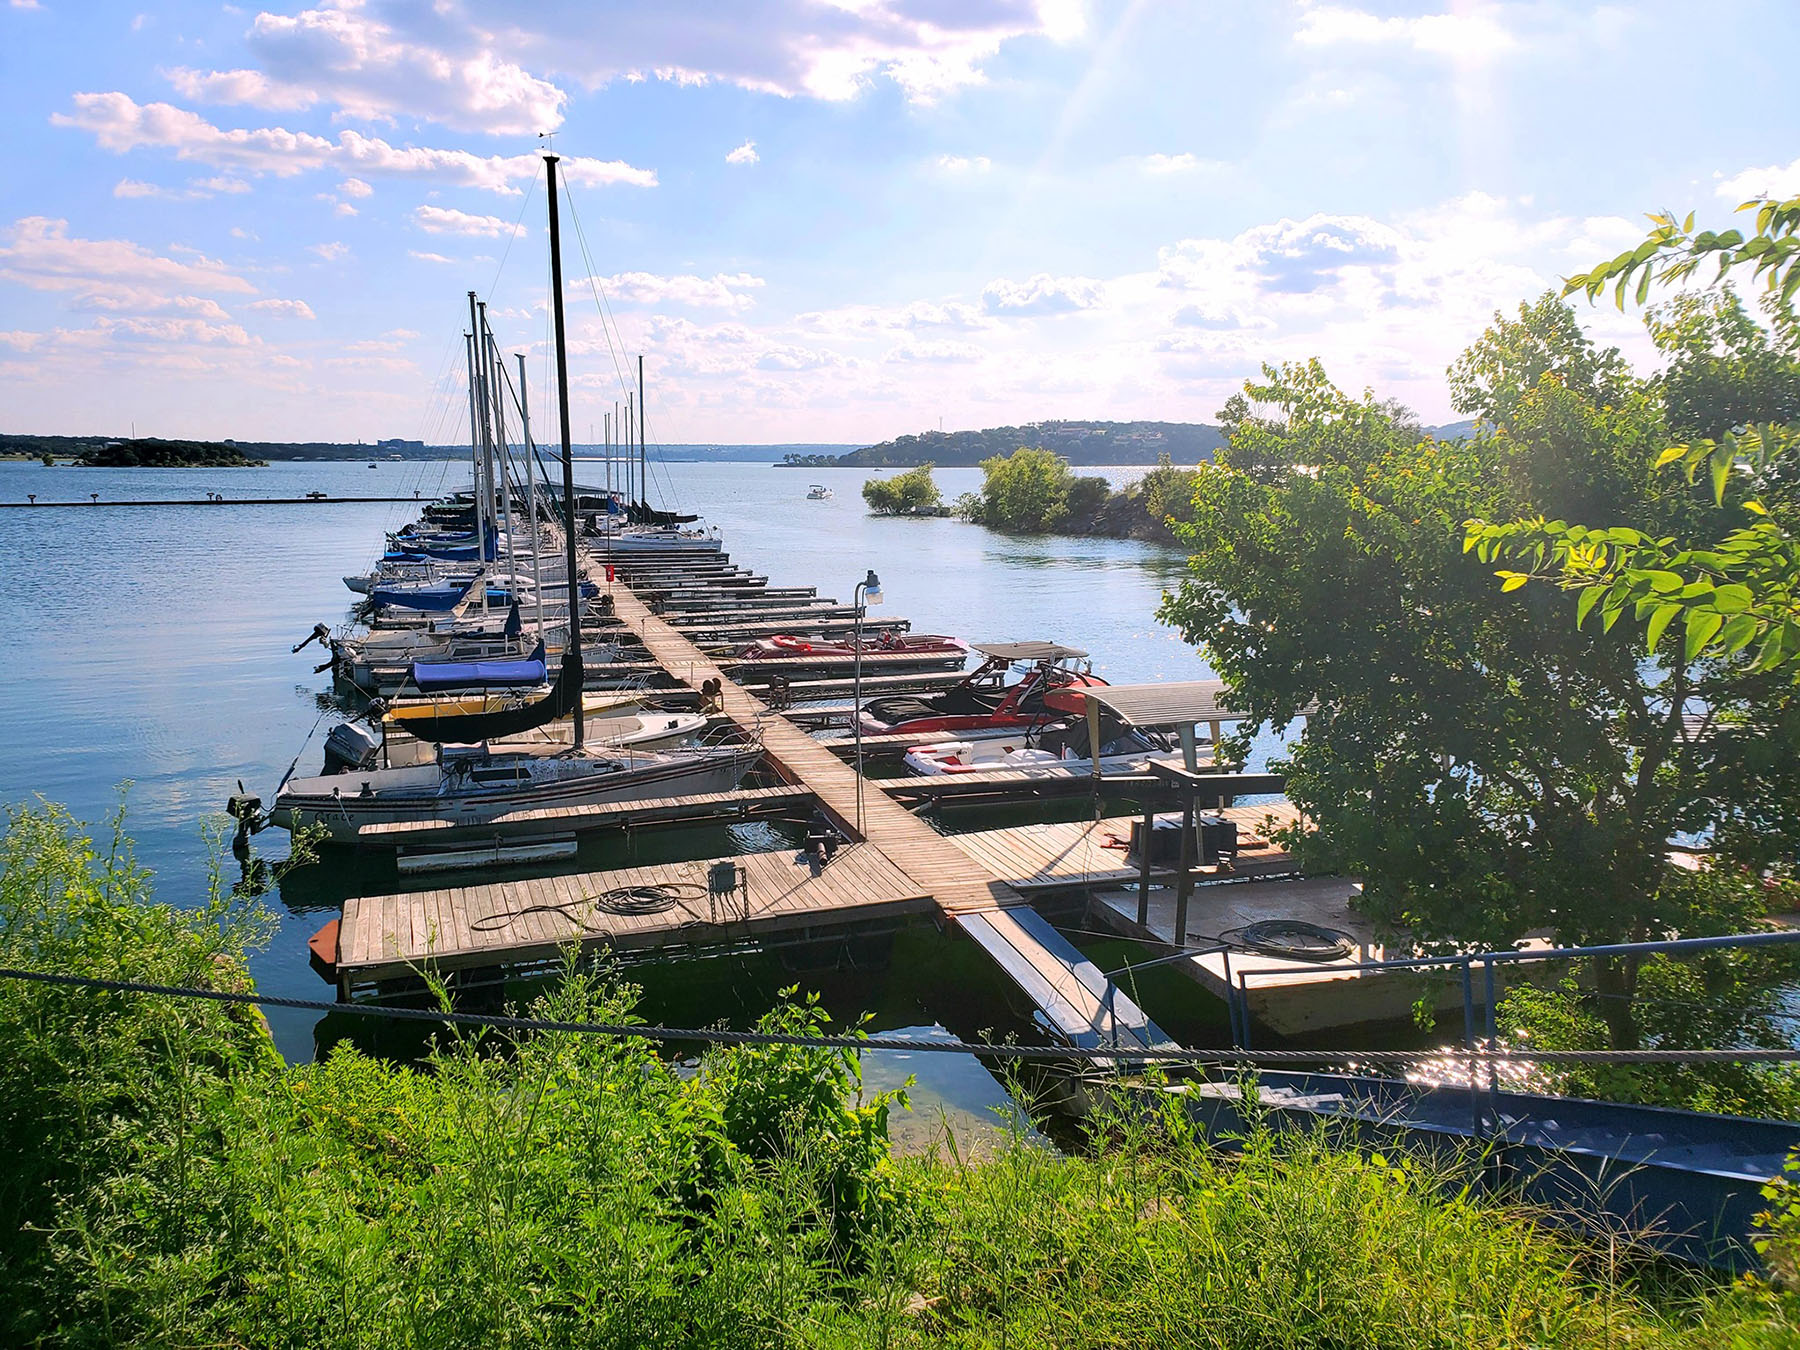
column 246, row 809
column 320, row 634
column 351, row 745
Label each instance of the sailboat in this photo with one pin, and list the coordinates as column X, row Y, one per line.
column 480, row 781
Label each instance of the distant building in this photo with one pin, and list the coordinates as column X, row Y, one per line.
column 395, row 443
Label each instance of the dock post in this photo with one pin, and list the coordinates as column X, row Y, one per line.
column 1187, row 861
column 1145, row 838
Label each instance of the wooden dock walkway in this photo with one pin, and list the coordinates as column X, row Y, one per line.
column 525, row 923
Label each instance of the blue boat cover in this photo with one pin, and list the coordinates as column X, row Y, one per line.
column 435, row 598
column 436, row 676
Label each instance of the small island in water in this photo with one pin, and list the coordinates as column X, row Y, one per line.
column 150, row 453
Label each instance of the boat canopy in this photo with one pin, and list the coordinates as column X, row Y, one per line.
column 1028, row 651
column 435, row 676
column 460, row 728
column 1150, row 705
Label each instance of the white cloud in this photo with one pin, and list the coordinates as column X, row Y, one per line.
column 40, row 253
column 330, row 252
column 853, row 320
column 744, row 154
column 131, row 187
column 1470, row 34
column 446, row 220
column 1776, row 180
column 722, row 291
column 1041, row 294
column 197, row 188
column 120, row 124
column 429, row 257
column 284, row 309
column 343, row 209
column 1182, row 163
column 830, row 51
column 354, row 187
column 346, row 56
column 26, row 4
column 936, row 353
column 957, row 164
column 239, row 86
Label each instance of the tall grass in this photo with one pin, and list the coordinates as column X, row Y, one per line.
column 170, row 1183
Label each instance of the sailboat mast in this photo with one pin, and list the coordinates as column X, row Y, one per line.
column 537, row 538
column 643, row 455
column 568, row 454
column 502, row 453
column 484, row 474
column 475, row 448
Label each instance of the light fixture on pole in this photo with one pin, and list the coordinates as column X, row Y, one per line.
column 867, row 592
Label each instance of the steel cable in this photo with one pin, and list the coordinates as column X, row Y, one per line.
column 991, row 1050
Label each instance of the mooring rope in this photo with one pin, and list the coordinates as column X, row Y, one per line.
column 623, row 901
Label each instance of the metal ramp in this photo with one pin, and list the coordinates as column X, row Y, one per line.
column 1080, row 1004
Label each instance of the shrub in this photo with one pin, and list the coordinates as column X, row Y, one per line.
column 902, row 494
column 1027, row 490
column 1168, row 491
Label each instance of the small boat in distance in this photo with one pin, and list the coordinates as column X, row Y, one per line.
column 818, row 492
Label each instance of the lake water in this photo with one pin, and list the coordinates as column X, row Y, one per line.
column 151, row 645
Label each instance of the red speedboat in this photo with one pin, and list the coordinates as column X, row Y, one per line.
column 984, row 705
column 884, row 644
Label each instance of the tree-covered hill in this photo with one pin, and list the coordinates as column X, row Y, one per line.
column 1077, row 442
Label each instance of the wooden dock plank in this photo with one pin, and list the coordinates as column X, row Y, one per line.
column 783, row 890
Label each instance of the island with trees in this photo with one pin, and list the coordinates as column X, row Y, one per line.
column 151, row 453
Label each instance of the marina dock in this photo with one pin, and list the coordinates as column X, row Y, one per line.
column 894, row 864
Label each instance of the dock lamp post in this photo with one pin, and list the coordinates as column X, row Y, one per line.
column 867, row 592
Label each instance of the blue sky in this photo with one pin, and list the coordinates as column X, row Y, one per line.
column 831, row 221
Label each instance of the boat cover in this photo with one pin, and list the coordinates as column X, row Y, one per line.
column 467, row 728
column 435, row 676
column 435, row 598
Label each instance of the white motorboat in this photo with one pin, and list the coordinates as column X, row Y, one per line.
column 1054, row 753
column 818, row 492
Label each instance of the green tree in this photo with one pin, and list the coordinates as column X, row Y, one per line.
column 1031, row 490
column 1731, row 592
column 902, row 494
column 1488, row 768
column 1168, row 491
column 1510, row 360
